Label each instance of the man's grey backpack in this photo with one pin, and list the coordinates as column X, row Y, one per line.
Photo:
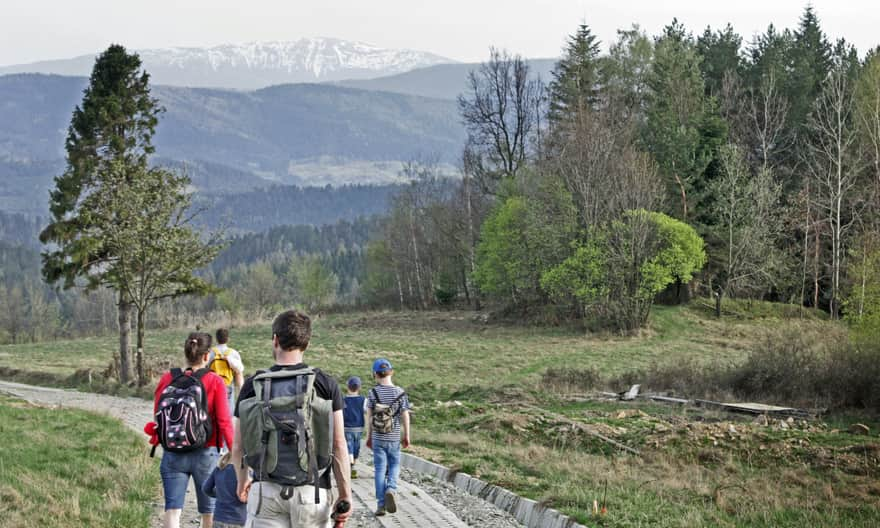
column 286, row 430
column 384, row 414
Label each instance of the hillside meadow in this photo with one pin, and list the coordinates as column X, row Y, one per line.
column 517, row 405
column 71, row 468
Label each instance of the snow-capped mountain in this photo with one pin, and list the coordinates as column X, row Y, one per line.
column 257, row 64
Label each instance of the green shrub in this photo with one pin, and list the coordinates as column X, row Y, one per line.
column 621, row 267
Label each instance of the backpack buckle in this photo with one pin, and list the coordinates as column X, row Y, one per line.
column 287, row 492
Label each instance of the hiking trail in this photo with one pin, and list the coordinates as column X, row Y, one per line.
column 415, row 506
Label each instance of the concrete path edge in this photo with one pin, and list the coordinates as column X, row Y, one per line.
column 527, row 511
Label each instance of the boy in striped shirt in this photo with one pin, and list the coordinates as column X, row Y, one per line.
column 384, row 399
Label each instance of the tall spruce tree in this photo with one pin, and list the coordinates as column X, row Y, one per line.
column 115, row 122
column 116, row 222
column 811, row 62
column 720, row 52
column 682, row 129
column 576, row 76
column 769, row 54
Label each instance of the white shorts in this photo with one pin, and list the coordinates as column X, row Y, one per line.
column 300, row 511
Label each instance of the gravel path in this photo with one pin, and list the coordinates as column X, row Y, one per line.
column 425, row 501
column 474, row 511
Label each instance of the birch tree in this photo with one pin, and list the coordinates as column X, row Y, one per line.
column 834, row 163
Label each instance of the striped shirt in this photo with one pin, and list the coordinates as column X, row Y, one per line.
column 387, row 394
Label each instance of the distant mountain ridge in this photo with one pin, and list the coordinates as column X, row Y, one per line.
column 254, row 65
column 260, row 131
column 440, row 81
column 231, row 141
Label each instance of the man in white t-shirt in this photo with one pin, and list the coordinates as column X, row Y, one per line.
column 226, row 363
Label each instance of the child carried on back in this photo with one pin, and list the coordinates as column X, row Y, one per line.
column 229, row 512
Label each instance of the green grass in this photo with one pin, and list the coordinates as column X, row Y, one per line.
column 61, row 468
column 768, row 478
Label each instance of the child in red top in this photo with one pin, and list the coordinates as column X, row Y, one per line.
column 177, row 467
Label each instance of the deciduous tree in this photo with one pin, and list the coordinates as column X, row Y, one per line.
column 624, row 264
column 142, row 217
column 835, row 164
column 747, row 208
column 501, row 110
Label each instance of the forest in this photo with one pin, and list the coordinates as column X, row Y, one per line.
column 673, row 166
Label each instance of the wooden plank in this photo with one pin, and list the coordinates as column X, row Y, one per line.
column 755, row 408
column 666, row 399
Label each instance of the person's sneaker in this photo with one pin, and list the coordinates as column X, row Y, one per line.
column 354, row 473
column 390, row 505
column 380, row 512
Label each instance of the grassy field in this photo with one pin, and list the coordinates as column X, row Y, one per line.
column 484, row 406
column 442, row 349
column 61, row 468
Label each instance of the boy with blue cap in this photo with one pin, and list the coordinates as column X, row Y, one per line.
column 353, row 415
column 387, row 428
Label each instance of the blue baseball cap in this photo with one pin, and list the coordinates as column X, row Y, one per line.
column 381, row 365
column 354, row 381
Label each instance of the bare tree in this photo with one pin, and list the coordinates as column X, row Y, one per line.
column 747, row 207
column 834, row 161
column 473, row 219
column 767, row 110
column 422, row 232
column 757, row 118
column 13, row 312
column 501, row 111
column 595, row 156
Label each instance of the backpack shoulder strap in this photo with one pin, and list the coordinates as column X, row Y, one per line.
column 376, row 395
column 197, row 376
column 397, row 400
column 176, row 373
column 257, row 383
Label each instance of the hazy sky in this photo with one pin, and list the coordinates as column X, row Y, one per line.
column 32, row 30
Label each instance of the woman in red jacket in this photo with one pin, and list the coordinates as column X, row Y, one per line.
column 177, row 467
